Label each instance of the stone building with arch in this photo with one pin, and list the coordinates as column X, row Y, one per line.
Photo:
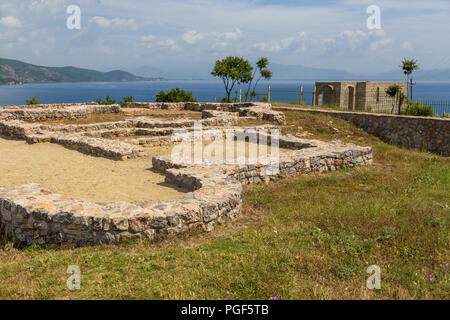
column 357, row 95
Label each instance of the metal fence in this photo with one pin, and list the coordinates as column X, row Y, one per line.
column 440, row 107
column 376, row 101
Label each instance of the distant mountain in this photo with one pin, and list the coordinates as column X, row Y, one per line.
column 297, row 72
column 18, row 72
column 148, row 72
column 419, row 75
column 185, row 72
column 281, row 72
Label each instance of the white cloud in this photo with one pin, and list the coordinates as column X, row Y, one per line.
column 337, row 36
column 233, row 35
column 10, row 22
column 154, row 42
column 295, row 44
column 115, row 23
column 192, row 36
column 357, row 42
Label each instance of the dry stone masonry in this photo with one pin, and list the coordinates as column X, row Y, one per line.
column 30, row 214
column 424, row 133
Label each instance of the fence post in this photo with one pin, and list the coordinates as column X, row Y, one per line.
column 399, row 101
column 215, row 100
column 301, row 94
column 268, row 94
column 314, row 97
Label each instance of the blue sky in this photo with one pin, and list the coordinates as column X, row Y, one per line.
column 192, row 34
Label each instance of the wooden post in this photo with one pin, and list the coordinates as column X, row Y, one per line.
column 314, row 97
column 215, row 100
column 301, row 94
column 268, row 94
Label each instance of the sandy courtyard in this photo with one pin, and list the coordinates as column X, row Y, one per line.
column 80, row 176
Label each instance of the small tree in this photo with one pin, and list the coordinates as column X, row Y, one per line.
column 175, row 95
column 107, row 101
column 392, row 91
column 33, row 101
column 409, row 66
column 264, row 73
column 126, row 100
column 233, row 71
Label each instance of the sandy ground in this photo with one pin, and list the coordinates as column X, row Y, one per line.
column 95, row 179
column 80, row 176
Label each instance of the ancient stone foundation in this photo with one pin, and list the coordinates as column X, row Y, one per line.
column 30, row 214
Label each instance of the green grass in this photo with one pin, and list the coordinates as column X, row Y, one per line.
column 309, row 237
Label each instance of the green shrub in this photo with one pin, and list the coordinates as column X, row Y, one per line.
column 125, row 100
column 108, row 101
column 392, row 90
column 175, row 95
column 445, row 115
column 418, row 108
column 33, row 101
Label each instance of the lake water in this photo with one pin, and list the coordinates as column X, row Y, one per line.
column 205, row 91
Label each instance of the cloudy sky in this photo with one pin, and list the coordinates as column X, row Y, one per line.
column 192, row 34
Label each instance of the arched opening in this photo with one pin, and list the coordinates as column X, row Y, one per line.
column 327, row 96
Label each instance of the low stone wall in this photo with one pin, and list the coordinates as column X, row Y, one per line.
column 48, row 106
column 262, row 111
column 51, row 112
column 89, row 139
column 426, row 133
column 309, row 156
column 29, row 214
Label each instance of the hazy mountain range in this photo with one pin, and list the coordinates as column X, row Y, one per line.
column 298, row 72
column 18, row 72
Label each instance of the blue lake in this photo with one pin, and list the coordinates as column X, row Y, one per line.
column 205, row 91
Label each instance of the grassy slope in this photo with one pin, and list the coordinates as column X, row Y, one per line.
column 309, row 237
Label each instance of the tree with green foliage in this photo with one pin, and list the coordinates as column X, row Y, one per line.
column 264, row 73
column 125, row 100
column 107, row 101
column 409, row 66
column 233, row 71
column 33, row 101
column 175, row 95
column 393, row 91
